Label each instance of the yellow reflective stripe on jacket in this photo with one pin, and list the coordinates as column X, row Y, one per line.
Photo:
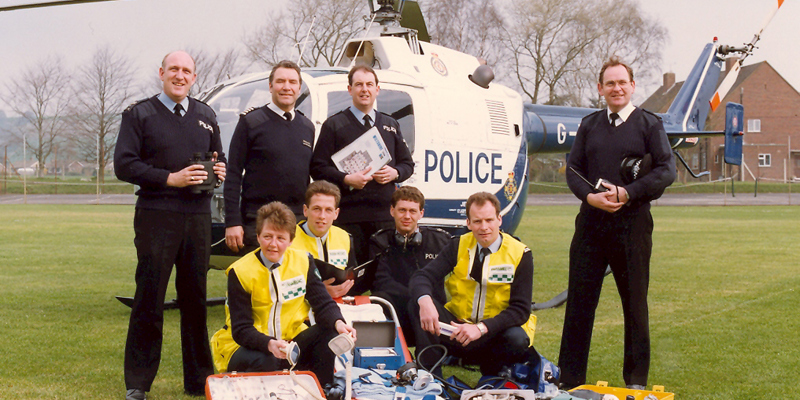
column 277, row 300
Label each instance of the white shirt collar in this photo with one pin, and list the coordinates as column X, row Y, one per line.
column 360, row 114
column 278, row 111
column 495, row 246
column 267, row 263
column 623, row 114
column 308, row 232
column 170, row 104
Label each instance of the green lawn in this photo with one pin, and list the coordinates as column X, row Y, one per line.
column 723, row 300
column 68, row 185
column 688, row 187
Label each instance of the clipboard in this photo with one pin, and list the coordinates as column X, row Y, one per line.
column 369, row 150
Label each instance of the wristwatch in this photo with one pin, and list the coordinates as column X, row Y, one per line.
column 482, row 327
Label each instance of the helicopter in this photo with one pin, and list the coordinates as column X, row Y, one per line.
column 465, row 133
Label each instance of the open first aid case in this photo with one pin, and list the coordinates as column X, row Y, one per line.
column 277, row 385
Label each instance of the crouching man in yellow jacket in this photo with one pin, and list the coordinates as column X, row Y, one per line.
column 489, row 276
column 270, row 292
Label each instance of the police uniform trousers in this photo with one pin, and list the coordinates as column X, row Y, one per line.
column 623, row 241
column 164, row 238
column 315, row 356
column 492, row 351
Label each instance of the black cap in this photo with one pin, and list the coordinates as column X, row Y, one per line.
column 633, row 168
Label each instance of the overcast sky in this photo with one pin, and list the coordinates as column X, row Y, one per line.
column 147, row 29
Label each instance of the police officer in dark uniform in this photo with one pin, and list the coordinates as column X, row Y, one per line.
column 402, row 250
column 365, row 194
column 269, row 158
column 157, row 138
column 614, row 227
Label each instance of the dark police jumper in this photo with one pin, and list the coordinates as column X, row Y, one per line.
column 372, row 202
column 172, row 226
column 365, row 211
column 397, row 262
column 269, row 161
column 622, row 239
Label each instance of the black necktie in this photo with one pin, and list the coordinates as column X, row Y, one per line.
column 614, row 117
column 274, row 266
column 477, row 265
column 367, row 122
column 287, row 115
column 178, row 108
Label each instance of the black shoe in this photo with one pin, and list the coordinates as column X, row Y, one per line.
column 636, row 387
column 135, row 394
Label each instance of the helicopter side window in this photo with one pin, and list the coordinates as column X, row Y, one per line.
column 230, row 104
column 395, row 103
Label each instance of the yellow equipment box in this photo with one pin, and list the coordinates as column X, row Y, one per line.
column 622, row 393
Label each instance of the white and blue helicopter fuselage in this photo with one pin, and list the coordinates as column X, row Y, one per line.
column 463, row 138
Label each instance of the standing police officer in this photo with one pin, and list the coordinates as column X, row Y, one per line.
column 613, row 227
column 365, row 198
column 157, row 138
column 269, row 157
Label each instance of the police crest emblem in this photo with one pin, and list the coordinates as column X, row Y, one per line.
column 510, row 188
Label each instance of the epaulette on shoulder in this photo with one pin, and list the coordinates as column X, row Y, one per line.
column 382, row 232
column 204, row 109
column 381, row 238
column 243, row 113
column 438, row 230
column 602, row 110
column 652, row 113
column 130, row 107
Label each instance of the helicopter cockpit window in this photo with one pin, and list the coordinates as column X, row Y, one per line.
column 393, row 102
column 233, row 102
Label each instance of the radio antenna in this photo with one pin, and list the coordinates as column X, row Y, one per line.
column 305, row 40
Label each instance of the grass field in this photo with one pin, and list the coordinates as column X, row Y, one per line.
column 723, row 302
column 689, row 187
column 68, row 185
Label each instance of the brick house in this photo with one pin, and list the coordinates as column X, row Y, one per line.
column 771, row 149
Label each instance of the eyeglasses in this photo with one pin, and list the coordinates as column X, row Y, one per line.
column 612, row 84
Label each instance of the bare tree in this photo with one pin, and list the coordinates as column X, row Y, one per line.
column 470, row 26
column 286, row 34
column 632, row 35
column 38, row 96
column 102, row 89
column 557, row 46
column 545, row 37
column 215, row 67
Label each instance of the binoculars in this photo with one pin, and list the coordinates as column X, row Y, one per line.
column 207, row 161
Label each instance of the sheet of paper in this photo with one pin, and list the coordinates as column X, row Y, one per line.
column 368, row 150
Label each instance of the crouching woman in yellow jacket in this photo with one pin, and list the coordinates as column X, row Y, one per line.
column 270, row 292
